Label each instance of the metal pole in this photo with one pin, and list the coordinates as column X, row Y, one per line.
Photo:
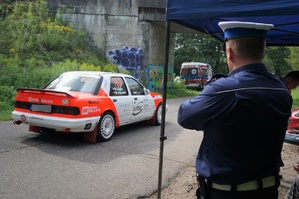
column 162, row 132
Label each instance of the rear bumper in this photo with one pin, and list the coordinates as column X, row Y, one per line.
column 57, row 123
column 194, row 85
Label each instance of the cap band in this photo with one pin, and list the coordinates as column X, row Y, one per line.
column 244, row 32
column 235, row 29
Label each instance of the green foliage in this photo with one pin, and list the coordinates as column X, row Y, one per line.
column 295, row 95
column 7, row 95
column 277, row 60
column 179, row 90
column 294, row 58
column 30, row 31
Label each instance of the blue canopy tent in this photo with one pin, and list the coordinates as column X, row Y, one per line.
column 204, row 15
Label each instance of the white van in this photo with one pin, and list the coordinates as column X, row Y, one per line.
column 195, row 74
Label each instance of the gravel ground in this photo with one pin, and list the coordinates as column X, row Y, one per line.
column 184, row 185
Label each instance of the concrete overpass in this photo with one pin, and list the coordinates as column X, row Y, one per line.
column 130, row 33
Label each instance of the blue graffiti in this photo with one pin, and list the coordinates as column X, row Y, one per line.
column 128, row 58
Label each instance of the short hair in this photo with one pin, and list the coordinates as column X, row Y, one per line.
column 293, row 74
column 249, row 47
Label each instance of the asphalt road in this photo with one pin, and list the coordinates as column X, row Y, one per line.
column 63, row 167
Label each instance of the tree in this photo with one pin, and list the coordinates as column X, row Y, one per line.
column 277, row 60
column 199, row 48
column 294, row 58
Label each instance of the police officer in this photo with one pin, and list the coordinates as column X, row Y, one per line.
column 244, row 118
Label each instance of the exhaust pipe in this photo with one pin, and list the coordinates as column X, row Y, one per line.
column 17, row 122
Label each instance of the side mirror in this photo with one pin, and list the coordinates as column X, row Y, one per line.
column 146, row 91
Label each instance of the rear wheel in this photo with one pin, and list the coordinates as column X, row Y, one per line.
column 158, row 115
column 106, row 127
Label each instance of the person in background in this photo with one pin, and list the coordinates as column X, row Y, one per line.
column 291, row 80
column 243, row 117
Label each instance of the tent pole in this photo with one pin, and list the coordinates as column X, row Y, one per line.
column 162, row 131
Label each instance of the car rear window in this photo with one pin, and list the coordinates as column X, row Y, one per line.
column 78, row 83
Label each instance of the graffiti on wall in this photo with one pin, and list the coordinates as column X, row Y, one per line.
column 131, row 59
column 154, row 77
column 128, row 58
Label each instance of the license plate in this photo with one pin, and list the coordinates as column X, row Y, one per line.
column 41, row 108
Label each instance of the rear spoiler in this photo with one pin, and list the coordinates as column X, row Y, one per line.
column 43, row 91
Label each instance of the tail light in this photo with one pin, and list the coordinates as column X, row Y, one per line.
column 23, row 105
column 69, row 110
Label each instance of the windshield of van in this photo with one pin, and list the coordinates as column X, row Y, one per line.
column 189, row 72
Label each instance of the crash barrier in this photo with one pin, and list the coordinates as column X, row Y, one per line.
column 292, row 138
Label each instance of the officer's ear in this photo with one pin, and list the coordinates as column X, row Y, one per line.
column 229, row 53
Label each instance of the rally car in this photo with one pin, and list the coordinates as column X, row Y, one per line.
column 88, row 102
column 293, row 126
column 292, row 134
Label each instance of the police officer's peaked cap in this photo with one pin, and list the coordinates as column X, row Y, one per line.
column 235, row 29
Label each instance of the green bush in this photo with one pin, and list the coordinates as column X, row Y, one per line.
column 7, row 96
column 178, row 89
column 295, row 95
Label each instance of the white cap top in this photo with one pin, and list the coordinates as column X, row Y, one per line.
column 234, row 29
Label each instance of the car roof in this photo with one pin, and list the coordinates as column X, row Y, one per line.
column 194, row 63
column 96, row 73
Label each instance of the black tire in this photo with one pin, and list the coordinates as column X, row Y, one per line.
column 106, row 127
column 158, row 116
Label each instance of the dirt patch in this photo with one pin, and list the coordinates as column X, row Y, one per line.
column 184, row 185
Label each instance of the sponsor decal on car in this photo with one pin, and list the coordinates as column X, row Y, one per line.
column 31, row 99
column 93, row 101
column 89, row 109
column 138, row 108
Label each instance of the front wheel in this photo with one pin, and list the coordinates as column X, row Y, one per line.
column 106, row 127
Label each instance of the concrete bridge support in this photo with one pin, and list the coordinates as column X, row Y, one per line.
column 130, row 33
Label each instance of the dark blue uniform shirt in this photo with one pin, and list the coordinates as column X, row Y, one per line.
column 244, row 118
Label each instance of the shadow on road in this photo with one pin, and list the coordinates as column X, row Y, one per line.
column 139, row 138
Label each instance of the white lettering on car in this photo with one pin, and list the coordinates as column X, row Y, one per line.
column 89, row 109
column 31, row 99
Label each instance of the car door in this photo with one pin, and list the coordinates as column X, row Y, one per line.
column 121, row 99
column 143, row 103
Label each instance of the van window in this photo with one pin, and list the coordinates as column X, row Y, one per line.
column 204, row 72
column 191, row 72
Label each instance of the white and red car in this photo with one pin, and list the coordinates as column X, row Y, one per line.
column 292, row 134
column 88, row 102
